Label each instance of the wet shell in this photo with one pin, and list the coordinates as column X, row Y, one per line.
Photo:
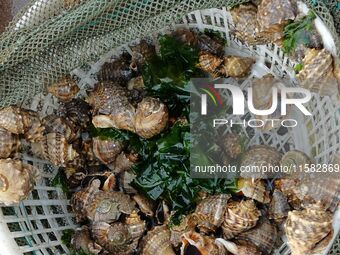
column 21, row 121
column 240, row 247
column 145, row 205
column 142, row 52
column 64, row 89
column 195, row 243
column 295, row 160
column 126, row 178
column 55, row 148
column 188, row 223
column 246, row 25
column 136, row 83
column 136, row 225
column 279, row 207
column 106, row 150
column 210, row 212
column 232, row 145
column 106, row 97
column 151, row 117
column 123, row 162
column 82, row 240
column 237, row 67
column 288, row 187
column 16, row 180
column 272, row 15
column 209, row 45
column 157, row 241
column 254, row 189
column 118, row 70
column 77, row 111
column 56, row 124
column 108, row 206
column 264, row 236
column 114, row 238
column 305, row 229
column 185, row 36
column 317, row 73
column 209, row 63
column 9, row 144
column 260, row 156
column 81, row 199
column 239, row 217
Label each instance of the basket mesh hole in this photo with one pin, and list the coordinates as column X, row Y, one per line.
column 52, row 236
column 49, row 250
column 34, row 224
column 21, row 241
column 7, row 211
column 40, row 210
column 41, row 238
column 52, row 194
column 45, row 223
column 14, row 226
column 35, row 195
column 60, row 249
column 61, row 222
column 28, row 210
column 56, row 209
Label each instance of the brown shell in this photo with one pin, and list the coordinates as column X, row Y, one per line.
column 55, row 148
column 288, row 187
column 77, row 111
column 157, row 241
column 232, row 145
column 317, row 73
column 305, row 229
column 123, row 162
column 106, row 150
column 56, row 124
column 64, row 89
column 114, row 238
column 247, row 28
column 118, row 70
column 143, row 51
column 210, row 212
column 264, row 236
column 107, row 206
column 188, row 223
column 279, row 207
column 295, row 159
column 237, row 67
column 272, row 15
column 68, row 4
column 81, row 199
column 240, row 247
column 16, row 180
column 209, row 45
column 136, row 83
column 260, row 156
column 126, row 178
column 254, row 189
column 203, row 244
column 82, row 240
column 9, row 144
column 239, row 217
column 185, row 36
column 151, row 117
column 136, row 225
column 209, row 63
column 21, row 121
column 145, row 205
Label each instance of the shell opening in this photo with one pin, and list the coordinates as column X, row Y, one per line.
column 3, row 183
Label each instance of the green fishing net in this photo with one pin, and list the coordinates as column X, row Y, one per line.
column 48, row 39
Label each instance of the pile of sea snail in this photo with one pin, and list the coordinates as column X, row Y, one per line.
column 115, row 217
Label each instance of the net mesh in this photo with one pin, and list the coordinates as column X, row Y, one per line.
column 48, row 39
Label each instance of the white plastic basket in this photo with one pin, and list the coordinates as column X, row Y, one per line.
column 35, row 226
